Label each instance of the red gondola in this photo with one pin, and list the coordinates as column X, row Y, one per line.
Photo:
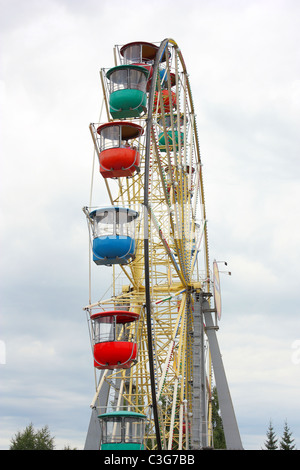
column 114, row 339
column 118, row 157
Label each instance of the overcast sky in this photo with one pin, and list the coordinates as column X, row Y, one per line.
column 243, row 61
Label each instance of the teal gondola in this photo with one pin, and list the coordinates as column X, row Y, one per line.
column 122, row 430
column 127, row 91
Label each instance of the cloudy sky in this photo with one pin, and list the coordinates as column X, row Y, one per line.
column 243, row 61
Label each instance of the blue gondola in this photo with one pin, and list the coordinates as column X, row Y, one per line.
column 113, row 235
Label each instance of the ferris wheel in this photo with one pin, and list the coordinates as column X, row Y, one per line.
column 150, row 347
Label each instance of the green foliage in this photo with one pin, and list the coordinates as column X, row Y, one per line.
column 271, row 442
column 217, row 423
column 30, row 439
column 286, row 442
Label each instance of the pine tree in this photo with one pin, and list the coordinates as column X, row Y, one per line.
column 271, row 443
column 286, row 442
